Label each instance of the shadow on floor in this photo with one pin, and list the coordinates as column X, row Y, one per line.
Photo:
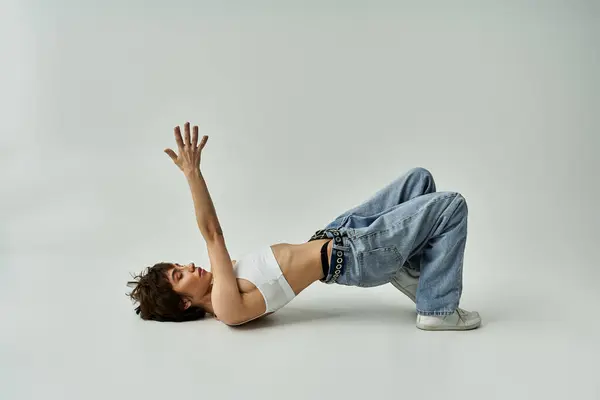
column 367, row 313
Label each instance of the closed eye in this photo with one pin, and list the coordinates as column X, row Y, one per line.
column 175, row 275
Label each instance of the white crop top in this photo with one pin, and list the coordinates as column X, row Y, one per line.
column 261, row 268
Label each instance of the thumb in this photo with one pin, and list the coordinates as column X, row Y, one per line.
column 171, row 154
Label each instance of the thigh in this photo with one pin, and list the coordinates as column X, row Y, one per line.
column 416, row 182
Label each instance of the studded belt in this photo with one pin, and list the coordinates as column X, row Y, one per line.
column 336, row 269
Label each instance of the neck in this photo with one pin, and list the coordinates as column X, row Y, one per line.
column 206, row 302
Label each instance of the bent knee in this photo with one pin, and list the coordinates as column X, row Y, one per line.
column 421, row 172
column 462, row 203
column 453, row 200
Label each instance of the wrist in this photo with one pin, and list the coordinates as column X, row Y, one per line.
column 192, row 174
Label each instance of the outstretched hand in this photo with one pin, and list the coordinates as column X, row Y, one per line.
column 190, row 151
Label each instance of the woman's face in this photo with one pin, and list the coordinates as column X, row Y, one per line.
column 190, row 282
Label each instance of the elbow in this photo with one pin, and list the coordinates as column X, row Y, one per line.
column 227, row 316
column 230, row 320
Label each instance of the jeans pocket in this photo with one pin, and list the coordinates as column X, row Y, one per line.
column 378, row 266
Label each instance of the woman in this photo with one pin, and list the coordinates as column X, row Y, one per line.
column 406, row 234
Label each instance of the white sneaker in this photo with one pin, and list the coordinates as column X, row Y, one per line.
column 406, row 280
column 460, row 320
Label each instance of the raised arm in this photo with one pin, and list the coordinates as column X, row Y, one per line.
column 228, row 303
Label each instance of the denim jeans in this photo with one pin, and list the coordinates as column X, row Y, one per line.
column 405, row 224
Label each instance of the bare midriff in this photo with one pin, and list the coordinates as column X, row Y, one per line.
column 300, row 264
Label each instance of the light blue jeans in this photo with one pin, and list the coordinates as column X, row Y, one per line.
column 407, row 223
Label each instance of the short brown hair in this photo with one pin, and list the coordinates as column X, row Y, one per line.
column 157, row 299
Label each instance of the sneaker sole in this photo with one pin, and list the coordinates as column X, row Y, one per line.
column 448, row 327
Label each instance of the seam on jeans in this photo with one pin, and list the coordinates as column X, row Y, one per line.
column 407, row 218
column 449, row 250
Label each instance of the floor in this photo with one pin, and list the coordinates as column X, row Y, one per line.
column 74, row 336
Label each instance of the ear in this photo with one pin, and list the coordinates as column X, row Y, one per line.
column 186, row 303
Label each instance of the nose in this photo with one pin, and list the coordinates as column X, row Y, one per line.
column 193, row 267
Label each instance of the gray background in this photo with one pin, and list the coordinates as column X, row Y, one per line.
column 310, row 108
